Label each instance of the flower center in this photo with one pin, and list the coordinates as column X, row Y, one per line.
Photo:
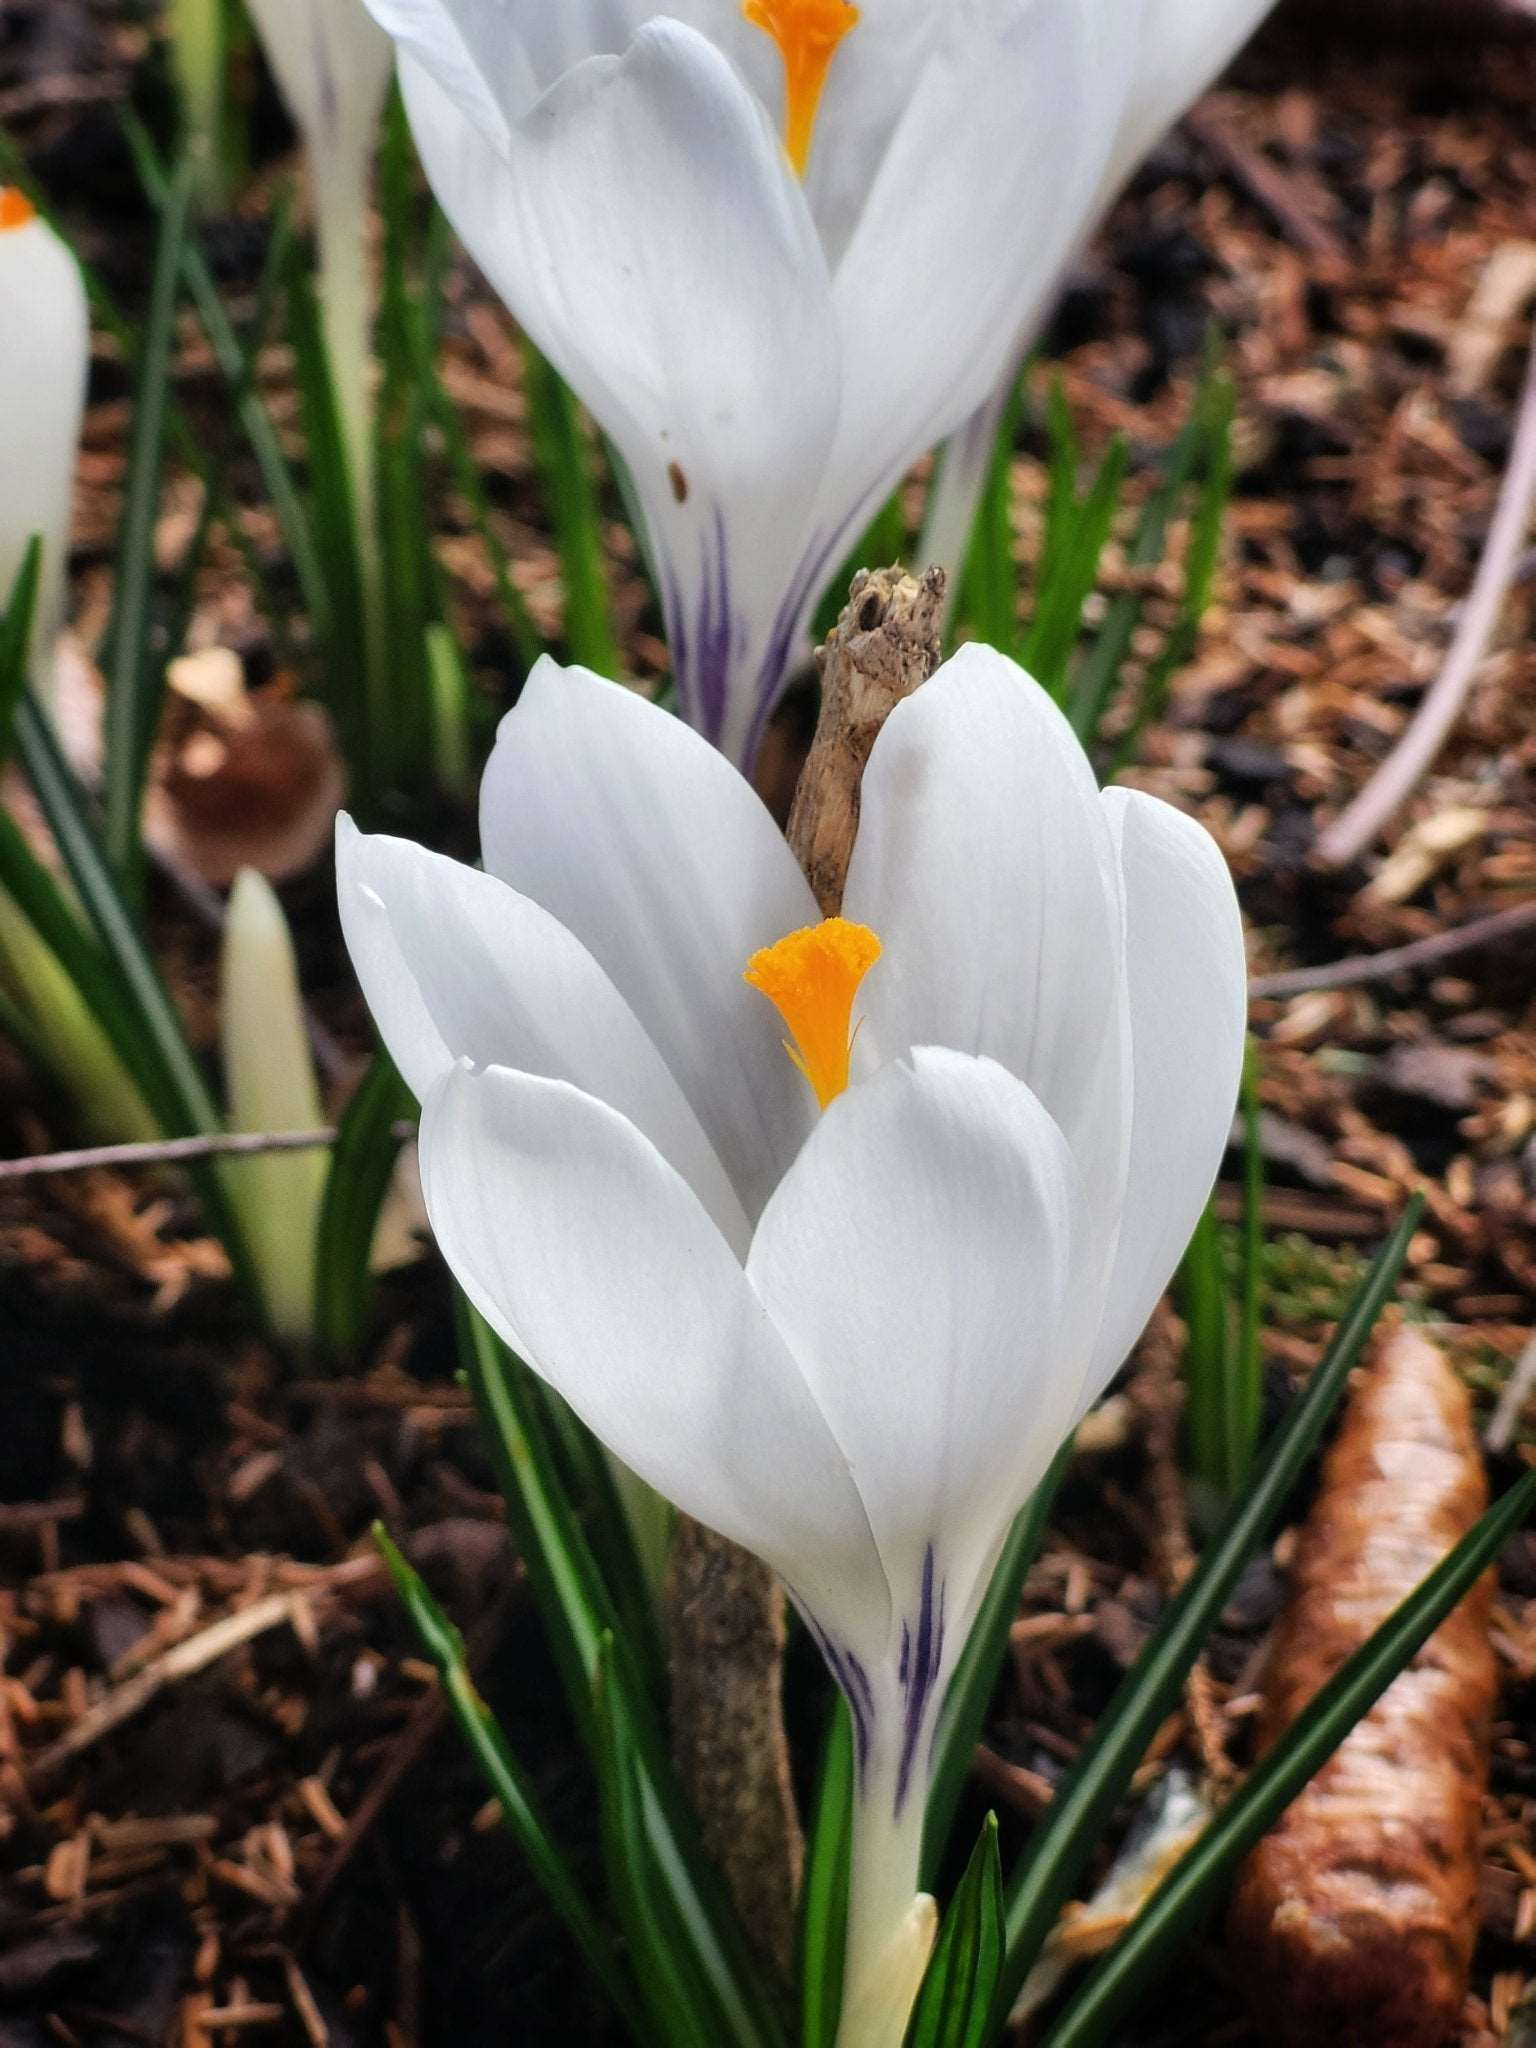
column 16, row 209
column 811, row 978
column 807, row 33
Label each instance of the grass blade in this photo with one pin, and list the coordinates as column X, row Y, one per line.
column 581, row 1614
column 362, row 1164
column 506, row 1778
column 135, row 678
column 956, row 1998
column 120, row 976
column 989, row 591
column 1275, row 1781
column 563, row 456
column 824, row 1890
column 1046, row 1873
column 16, row 642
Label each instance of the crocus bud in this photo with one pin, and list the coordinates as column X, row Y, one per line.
column 269, row 1080
column 45, row 340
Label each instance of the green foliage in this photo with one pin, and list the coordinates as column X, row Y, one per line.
column 1223, row 1310
column 1043, row 1880
column 135, row 679
column 1147, row 1947
column 362, row 1162
column 954, row 2006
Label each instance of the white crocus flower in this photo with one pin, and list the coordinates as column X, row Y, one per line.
column 1181, row 45
column 779, row 248
column 841, row 1305
column 45, row 349
column 332, row 66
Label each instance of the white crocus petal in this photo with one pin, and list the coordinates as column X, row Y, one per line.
column 594, row 1259
column 1183, row 46
column 642, row 223
column 45, row 346
column 920, row 1260
column 455, row 965
column 1187, row 986
column 332, row 63
column 984, row 861
column 999, row 145
column 1179, row 46
column 648, row 845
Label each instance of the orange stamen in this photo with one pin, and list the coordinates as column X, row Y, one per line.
column 807, row 33
column 811, row 978
column 16, row 209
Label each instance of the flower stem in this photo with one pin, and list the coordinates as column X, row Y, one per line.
column 891, row 1924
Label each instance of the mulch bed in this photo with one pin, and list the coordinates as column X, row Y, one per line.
column 283, row 1842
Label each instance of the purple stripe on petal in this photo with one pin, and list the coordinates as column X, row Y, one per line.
column 922, row 1655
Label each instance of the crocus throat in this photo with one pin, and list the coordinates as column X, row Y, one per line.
column 807, row 33
column 811, row 978
column 16, row 209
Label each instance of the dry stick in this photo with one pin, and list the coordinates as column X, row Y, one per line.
column 1348, row 836
column 176, row 1151
column 725, row 1609
column 1518, row 922
column 183, row 1660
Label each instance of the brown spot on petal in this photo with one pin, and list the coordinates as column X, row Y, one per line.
column 678, row 481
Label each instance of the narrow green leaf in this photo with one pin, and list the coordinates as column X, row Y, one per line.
column 678, row 2015
column 135, row 676
column 989, row 592
column 580, row 1613
column 563, row 455
column 1094, row 686
column 1074, row 573
column 1147, row 1946
column 1216, row 404
column 362, row 1163
column 824, row 1890
column 975, row 1680
column 955, row 2002
column 1248, row 1389
column 277, row 478
column 1044, row 1878
column 16, row 641
column 508, row 1781
column 1210, row 1368
column 122, row 977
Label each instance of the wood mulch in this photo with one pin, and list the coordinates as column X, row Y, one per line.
column 229, row 1807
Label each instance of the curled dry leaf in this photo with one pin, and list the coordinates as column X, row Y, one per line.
column 241, row 778
column 1355, row 1918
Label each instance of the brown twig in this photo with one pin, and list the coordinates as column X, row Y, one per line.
column 183, row 1660
column 1397, row 777
column 1518, row 922
column 177, row 1151
column 725, row 1609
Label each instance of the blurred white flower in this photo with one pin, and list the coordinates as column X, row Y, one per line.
column 779, row 248
column 45, row 348
column 332, row 65
column 1181, row 45
column 842, row 1306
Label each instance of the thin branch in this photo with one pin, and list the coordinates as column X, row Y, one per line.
column 177, row 1151
column 1396, row 778
column 1498, row 928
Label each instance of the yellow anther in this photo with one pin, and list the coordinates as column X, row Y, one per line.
column 807, row 33
column 16, row 209
column 811, row 978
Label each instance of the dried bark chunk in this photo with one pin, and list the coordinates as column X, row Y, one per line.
column 1355, row 1918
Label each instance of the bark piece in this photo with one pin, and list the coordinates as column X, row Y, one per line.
column 1355, row 1918
column 725, row 1609
column 885, row 642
